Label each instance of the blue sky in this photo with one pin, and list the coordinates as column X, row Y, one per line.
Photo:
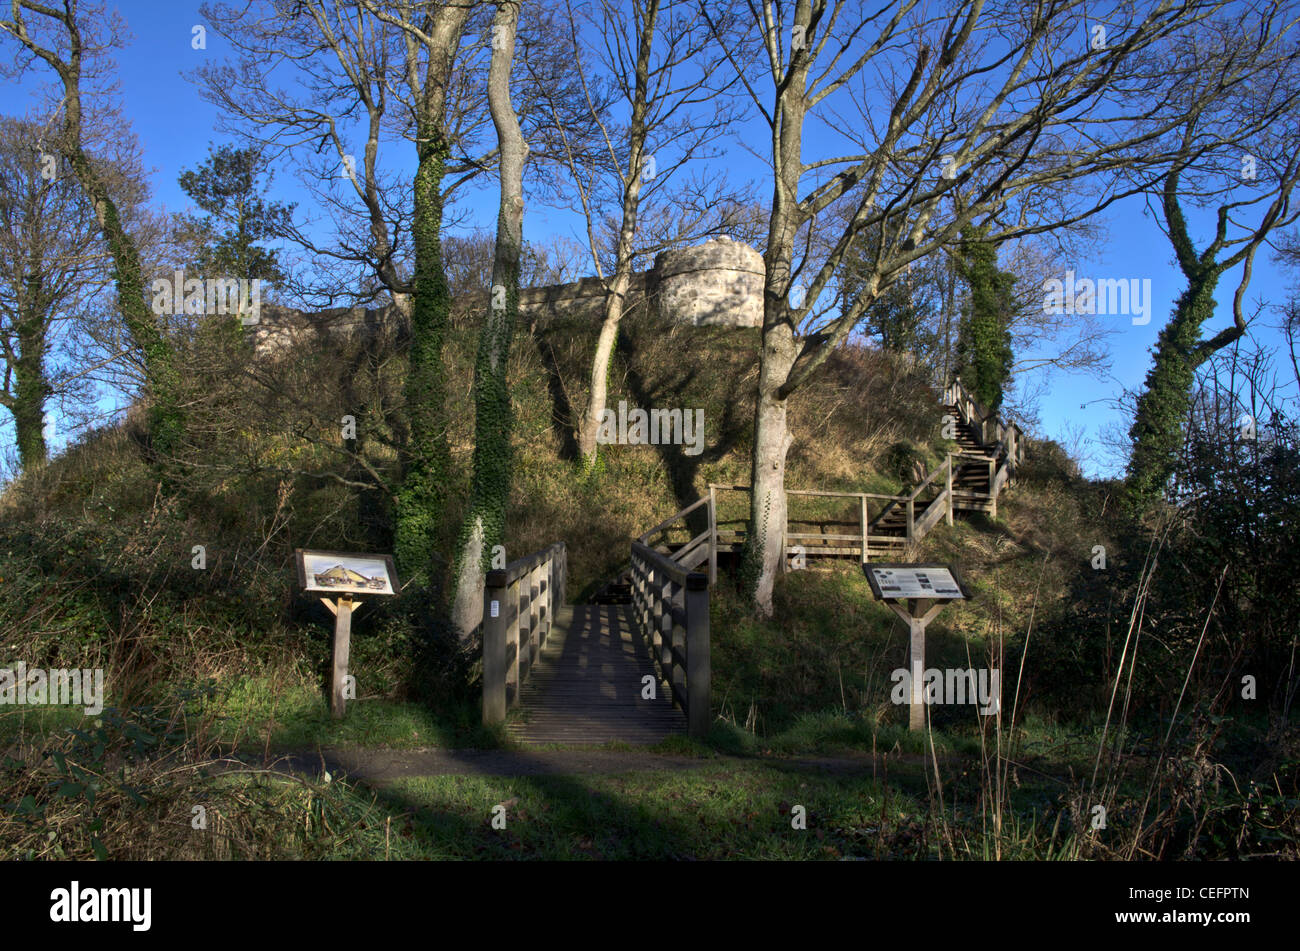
column 175, row 126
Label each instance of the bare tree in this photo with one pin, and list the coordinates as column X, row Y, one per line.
column 324, row 85
column 997, row 114
column 660, row 63
column 484, row 524
column 51, row 266
column 74, row 45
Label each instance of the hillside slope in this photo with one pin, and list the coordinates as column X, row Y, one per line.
column 99, row 560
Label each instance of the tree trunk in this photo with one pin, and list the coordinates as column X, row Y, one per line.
column 426, row 460
column 765, row 542
column 1163, row 407
column 615, row 298
column 484, row 525
column 600, row 362
column 166, row 420
column 31, row 388
column 420, row 499
column 1164, row 404
column 30, row 392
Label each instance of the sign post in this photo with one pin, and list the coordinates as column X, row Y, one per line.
column 916, row 593
column 345, row 574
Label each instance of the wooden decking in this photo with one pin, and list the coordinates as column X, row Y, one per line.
column 586, row 686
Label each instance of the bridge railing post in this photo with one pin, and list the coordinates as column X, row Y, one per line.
column 863, row 524
column 657, row 613
column 677, row 645
column 495, row 621
column 665, row 632
column 521, row 631
column 947, row 488
column 713, row 535
column 538, row 617
column 548, row 576
column 697, row 654
column 515, row 673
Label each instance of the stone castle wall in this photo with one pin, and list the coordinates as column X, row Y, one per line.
column 719, row 283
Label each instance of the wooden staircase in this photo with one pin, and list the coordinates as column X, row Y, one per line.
column 989, row 451
column 987, row 454
column 971, row 473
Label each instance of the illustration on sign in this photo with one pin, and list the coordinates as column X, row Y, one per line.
column 338, row 572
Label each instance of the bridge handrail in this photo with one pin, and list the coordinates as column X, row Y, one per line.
column 529, row 588
column 670, row 606
column 937, row 508
column 666, row 523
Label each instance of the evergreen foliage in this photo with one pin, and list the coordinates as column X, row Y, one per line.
column 228, row 188
column 984, row 353
column 422, row 495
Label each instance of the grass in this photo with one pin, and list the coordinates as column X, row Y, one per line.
column 719, row 810
column 248, row 713
column 250, row 716
column 728, row 811
column 95, row 567
column 920, row 796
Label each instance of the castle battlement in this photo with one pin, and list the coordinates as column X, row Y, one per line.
column 718, row 283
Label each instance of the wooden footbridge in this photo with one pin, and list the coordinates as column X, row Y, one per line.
column 595, row 673
column 635, row 667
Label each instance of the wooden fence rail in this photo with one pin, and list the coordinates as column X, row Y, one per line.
column 671, row 608
column 900, row 520
column 519, row 605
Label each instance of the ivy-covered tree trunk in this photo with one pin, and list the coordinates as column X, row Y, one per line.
column 31, row 389
column 1163, row 406
column 421, row 498
column 984, row 350
column 1157, row 430
column 166, row 420
column 484, row 525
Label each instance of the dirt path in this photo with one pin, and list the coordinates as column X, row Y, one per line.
column 384, row 766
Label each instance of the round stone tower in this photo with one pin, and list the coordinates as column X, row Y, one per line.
column 719, row 282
